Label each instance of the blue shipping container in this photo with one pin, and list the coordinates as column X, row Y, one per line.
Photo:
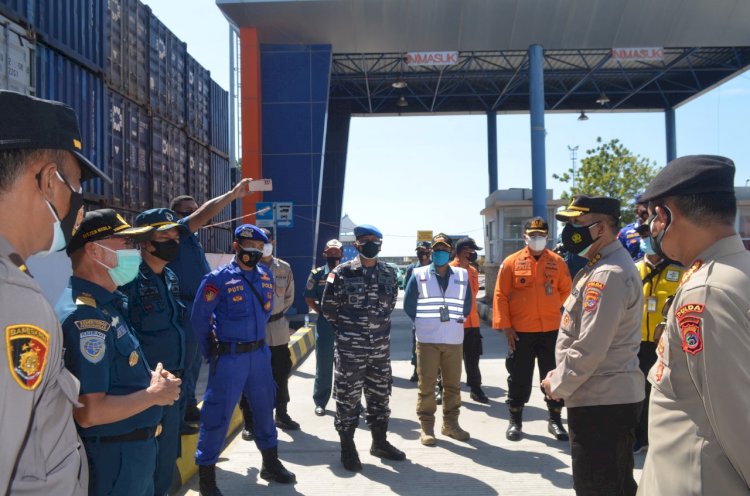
column 127, row 52
column 166, row 73
column 198, row 171
column 221, row 182
column 197, row 97
column 219, row 119
column 18, row 10
column 218, row 239
column 129, row 136
column 61, row 79
column 74, row 27
column 168, row 162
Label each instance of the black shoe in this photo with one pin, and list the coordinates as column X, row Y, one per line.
column 439, row 396
column 273, row 470
column 285, row 422
column 192, row 414
column 207, row 481
column 479, row 396
column 247, row 435
column 349, row 456
column 414, row 377
column 380, row 445
column 188, row 429
column 514, row 431
column 555, row 427
column 320, row 411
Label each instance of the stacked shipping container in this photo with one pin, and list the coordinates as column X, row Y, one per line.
column 151, row 117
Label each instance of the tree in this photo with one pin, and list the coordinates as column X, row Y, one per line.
column 612, row 170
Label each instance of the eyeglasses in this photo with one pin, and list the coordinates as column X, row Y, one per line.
column 65, row 181
column 659, row 329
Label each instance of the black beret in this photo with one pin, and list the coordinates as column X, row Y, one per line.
column 584, row 204
column 692, row 174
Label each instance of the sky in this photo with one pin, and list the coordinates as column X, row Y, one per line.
column 410, row 173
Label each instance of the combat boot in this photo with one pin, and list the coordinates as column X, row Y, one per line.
column 207, row 481
column 555, row 427
column 452, row 429
column 514, row 431
column 427, row 436
column 380, row 445
column 273, row 470
column 284, row 421
column 349, row 456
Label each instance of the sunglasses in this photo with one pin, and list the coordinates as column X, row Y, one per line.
column 659, row 329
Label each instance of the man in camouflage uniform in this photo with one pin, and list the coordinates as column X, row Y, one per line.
column 358, row 299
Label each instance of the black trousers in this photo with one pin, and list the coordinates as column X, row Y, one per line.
column 531, row 348
column 646, row 360
column 601, row 445
column 281, row 366
column 472, row 352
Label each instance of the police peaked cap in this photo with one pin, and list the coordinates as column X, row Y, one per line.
column 690, row 175
column 249, row 231
column 367, row 230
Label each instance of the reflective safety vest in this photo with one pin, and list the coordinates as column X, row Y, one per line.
column 431, row 298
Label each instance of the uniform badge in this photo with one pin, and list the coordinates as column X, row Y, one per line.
column 210, row 293
column 267, row 306
column 672, row 275
column 310, row 284
column 133, row 358
column 696, row 265
column 690, row 329
column 27, row 347
column 331, row 277
column 93, row 345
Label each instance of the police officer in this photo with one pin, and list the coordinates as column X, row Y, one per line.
column 191, row 265
column 423, row 258
column 41, row 172
column 316, row 282
column 699, row 441
column 122, row 399
column 157, row 315
column 229, row 317
column 358, row 299
column 597, row 350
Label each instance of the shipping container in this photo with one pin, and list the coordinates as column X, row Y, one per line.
column 75, row 28
column 219, row 119
column 198, row 171
column 16, row 58
column 127, row 54
column 18, row 10
column 168, row 162
column 129, row 137
column 59, row 78
column 166, row 73
column 197, row 98
column 221, row 182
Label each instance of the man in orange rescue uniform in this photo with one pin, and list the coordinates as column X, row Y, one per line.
column 531, row 287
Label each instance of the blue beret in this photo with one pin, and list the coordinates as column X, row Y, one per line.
column 366, row 230
column 160, row 218
column 249, row 231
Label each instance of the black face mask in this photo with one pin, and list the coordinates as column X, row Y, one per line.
column 423, row 255
column 68, row 223
column 166, row 250
column 332, row 261
column 369, row 249
column 473, row 257
column 576, row 239
column 659, row 238
column 249, row 256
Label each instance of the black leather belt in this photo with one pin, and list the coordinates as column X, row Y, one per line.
column 136, row 435
column 225, row 348
column 275, row 317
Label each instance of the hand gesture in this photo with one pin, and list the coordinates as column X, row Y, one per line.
column 242, row 188
column 164, row 387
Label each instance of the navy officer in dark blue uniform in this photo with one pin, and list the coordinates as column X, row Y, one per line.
column 156, row 314
column 121, row 397
column 229, row 319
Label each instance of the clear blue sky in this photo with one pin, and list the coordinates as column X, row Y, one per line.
column 430, row 173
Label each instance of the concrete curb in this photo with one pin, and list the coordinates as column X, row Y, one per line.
column 301, row 343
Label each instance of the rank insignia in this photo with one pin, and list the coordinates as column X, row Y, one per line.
column 133, row 358
column 27, row 347
column 210, row 293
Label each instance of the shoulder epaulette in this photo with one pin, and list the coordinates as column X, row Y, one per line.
column 86, row 300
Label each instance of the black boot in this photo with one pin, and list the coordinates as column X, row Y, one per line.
column 273, row 470
column 439, row 391
column 514, row 432
column 380, row 445
column 284, row 421
column 192, row 414
column 247, row 419
column 555, row 427
column 349, row 456
column 414, row 377
column 207, row 481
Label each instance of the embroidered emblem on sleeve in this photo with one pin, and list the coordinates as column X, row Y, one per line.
column 210, row 293
column 689, row 322
column 27, row 347
column 592, row 296
column 93, row 345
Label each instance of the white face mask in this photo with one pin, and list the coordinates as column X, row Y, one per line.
column 536, row 243
column 267, row 249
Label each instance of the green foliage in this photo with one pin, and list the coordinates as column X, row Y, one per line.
column 612, row 170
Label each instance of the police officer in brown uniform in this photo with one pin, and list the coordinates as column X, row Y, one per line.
column 698, row 425
column 597, row 348
column 41, row 171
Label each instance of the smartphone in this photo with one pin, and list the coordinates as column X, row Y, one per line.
column 260, row 185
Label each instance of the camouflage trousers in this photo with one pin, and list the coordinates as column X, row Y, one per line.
column 361, row 361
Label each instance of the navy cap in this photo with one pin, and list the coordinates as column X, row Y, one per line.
column 442, row 239
column 467, row 242
column 367, row 230
column 29, row 123
column 425, row 245
column 159, row 218
column 103, row 223
column 584, row 204
column 249, row 231
column 690, row 175
column 536, row 225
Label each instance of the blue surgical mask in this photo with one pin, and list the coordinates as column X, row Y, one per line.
column 440, row 258
column 128, row 263
column 646, row 246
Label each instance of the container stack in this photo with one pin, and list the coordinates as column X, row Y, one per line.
column 151, row 117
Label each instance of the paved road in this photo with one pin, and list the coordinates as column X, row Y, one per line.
column 487, row 464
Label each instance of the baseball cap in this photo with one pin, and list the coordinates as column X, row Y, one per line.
column 442, row 239
column 103, row 223
column 584, row 204
column 536, row 225
column 159, row 218
column 466, row 242
column 425, row 245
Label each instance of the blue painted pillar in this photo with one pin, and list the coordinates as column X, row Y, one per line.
column 669, row 124
column 536, row 107
column 294, row 89
column 492, row 149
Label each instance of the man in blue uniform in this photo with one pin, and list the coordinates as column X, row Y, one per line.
column 157, row 315
column 628, row 235
column 191, row 265
column 229, row 318
column 316, row 283
column 122, row 398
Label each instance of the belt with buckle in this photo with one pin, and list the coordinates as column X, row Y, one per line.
column 225, row 348
column 136, row 435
